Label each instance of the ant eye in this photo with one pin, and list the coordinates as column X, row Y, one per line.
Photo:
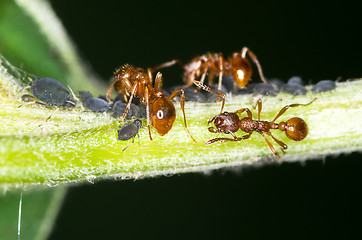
column 160, row 114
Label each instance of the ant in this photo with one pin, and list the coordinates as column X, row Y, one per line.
column 132, row 81
column 237, row 66
column 229, row 123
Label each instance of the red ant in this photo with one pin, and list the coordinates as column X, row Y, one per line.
column 160, row 110
column 214, row 63
column 229, row 123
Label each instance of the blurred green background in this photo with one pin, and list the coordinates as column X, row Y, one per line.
column 316, row 199
column 311, row 39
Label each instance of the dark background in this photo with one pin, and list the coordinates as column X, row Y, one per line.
column 315, row 40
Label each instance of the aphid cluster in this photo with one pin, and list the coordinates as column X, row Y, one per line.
column 141, row 96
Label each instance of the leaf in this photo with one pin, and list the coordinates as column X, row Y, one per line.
column 33, row 38
column 38, row 209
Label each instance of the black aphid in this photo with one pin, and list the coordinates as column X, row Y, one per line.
column 265, row 89
column 276, row 82
column 294, row 89
column 295, row 80
column 324, row 86
column 191, row 95
column 52, row 92
column 92, row 103
column 118, row 109
column 129, row 130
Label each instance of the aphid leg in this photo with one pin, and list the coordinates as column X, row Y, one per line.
column 148, row 112
column 182, row 104
column 168, row 64
column 250, row 115
column 255, row 60
column 206, row 88
column 271, row 146
column 56, row 110
column 282, row 111
column 135, row 87
column 128, row 145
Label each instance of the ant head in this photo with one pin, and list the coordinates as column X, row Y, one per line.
column 296, row 129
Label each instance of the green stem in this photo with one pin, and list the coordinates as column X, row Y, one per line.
column 75, row 146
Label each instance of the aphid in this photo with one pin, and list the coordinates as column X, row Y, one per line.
column 295, row 80
column 294, row 89
column 119, row 108
column 214, row 64
column 128, row 131
column 92, row 103
column 229, row 123
column 265, row 89
column 131, row 81
column 52, row 93
column 324, row 86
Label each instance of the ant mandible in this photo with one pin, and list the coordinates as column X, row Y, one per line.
column 295, row 128
column 132, row 81
column 237, row 66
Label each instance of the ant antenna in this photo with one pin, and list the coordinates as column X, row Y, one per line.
column 208, row 89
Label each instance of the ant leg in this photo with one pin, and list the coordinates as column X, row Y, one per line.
column 168, row 64
column 250, row 115
column 235, row 139
column 255, row 60
column 282, row 111
column 206, row 88
column 148, row 112
column 246, row 136
column 204, row 74
column 135, row 87
column 108, row 95
column 271, row 146
column 260, row 105
column 221, row 66
column 221, row 140
column 158, row 81
column 281, row 144
column 182, row 104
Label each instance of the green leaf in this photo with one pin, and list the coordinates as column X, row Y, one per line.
column 33, row 38
column 37, row 210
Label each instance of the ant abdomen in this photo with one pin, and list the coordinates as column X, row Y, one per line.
column 241, row 71
column 296, row 129
column 163, row 115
